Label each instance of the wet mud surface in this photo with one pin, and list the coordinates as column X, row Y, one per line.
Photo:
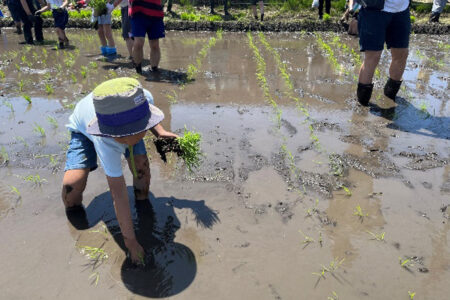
column 301, row 193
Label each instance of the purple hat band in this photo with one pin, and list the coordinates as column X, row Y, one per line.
column 126, row 117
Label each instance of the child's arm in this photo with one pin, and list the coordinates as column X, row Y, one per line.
column 119, row 194
column 65, row 3
column 44, row 8
column 25, row 7
column 159, row 131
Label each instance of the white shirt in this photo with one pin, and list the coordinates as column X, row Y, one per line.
column 124, row 3
column 395, row 6
column 108, row 150
column 54, row 4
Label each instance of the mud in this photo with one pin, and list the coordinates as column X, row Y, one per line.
column 324, row 183
column 247, row 25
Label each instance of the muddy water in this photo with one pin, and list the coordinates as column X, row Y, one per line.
column 272, row 211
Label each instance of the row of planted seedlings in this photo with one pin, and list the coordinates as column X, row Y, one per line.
column 334, row 265
column 194, row 68
column 358, row 212
column 405, row 262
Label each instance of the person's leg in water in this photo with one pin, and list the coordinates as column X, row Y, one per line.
column 141, row 183
column 261, row 8
column 126, row 31
column 212, row 4
column 436, row 10
column 255, row 13
column 111, row 50
column 101, row 36
column 225, row 7
column 320, row 9
column 328, row 6
column 365, row 85
column 155, row 54
column 138, row 53
column 129, row 42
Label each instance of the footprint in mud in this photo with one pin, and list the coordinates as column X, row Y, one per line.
column 169, row 267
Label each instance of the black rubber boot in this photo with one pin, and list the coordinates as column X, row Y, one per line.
column 391, row 88
column 262, row 17
column 364, row 93
column 138, row 68
column 434, row 18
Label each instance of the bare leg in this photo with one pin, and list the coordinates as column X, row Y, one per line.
column 371, row 60
column 155, row 53
column 261, row 7
column 129, row 43
column 101, row 35
column 108, row 34
column 398, row 64
column 74, row 183
column 141, row 184
column 138, row 49
column 254, row 11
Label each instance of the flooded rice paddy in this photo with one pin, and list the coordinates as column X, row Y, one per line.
column 302, row 193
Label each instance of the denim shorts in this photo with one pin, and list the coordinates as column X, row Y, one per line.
column 81, row 153
column 377, row 27
column 61, row 18
column 102, row 20
column 126, row 24
column 152, row 26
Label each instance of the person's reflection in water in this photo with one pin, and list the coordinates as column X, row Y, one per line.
column 170, row 267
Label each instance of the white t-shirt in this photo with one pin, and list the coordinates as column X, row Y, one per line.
column 108, row 150
column 395, row 6
column 124, row 3
column 54, row 4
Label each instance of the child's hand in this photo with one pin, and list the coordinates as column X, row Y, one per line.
column 136, row 251
column 160, row 132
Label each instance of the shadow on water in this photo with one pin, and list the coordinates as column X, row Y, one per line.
column 170, row 267
column 405, row 117
column 162, row 75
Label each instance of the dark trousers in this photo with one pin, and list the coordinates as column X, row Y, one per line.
column 225, row 5
column 327, row 7
column 27, row 24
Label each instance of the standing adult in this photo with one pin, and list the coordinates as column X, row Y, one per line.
column 438, row 7
column 29, row 20
column 146, row 19
column 14, row 9
column 225, row 7
column 327, row 8
column 389, row 23
column 261, row 9
column 126, row 25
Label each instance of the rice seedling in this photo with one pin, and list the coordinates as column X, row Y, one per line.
column 93, row 65
column 359, row 212
column 307, row 239
column 96, row 255
column 83, row 71
column 112, row 74
column 23, row 59
column 405, row 263
column 35, row 179
column 347, row 190
column 103, row 231
column 2, row 74
column 52, row 121
column 39, row 130
column 17, row 67
column 411, row 295
column 332, row 267
column 334, row 296
column 377, row 236
column 95, row 277
column 22, row 140
column 15, row 190
column 172, row 97
column 9, row 105
column 4, row 155
column 73, row 77
column 326, row 17
column 21, row 84
column 48, row 89
column 190, row 147
column 47, row 76
column 27, row 98
column 313, row 210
